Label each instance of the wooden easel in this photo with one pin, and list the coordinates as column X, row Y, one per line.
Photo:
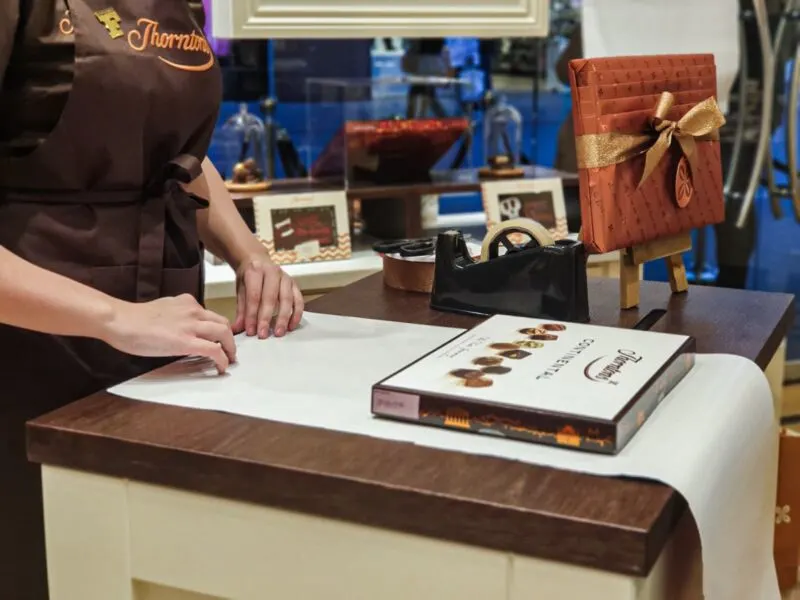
column 631, row 259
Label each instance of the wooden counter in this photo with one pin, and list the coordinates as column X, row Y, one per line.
column 614, row 525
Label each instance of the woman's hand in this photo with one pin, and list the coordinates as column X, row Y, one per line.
column 171, row 327
column 263, row 290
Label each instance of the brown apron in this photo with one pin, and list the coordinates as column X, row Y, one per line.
column 100, row 202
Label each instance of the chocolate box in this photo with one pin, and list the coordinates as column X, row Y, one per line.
column 619, row 96
column 297, row 228
column 563, row 384
column 540, row 199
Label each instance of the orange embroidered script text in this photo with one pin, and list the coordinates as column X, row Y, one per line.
column 148, row 35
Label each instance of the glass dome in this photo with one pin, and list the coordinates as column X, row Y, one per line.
column 502, row 132
column 243, row 142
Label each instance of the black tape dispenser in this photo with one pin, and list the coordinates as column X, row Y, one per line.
column 541, row 278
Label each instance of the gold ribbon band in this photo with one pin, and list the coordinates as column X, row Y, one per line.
column 701, row 123
column 597, row 150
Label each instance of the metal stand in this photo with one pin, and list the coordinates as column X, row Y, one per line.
column 701, row 273
column 789, row 17
column 768, row 97
column 268, row 110
column 280, row 145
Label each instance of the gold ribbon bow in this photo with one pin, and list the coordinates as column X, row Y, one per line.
column 701, row 123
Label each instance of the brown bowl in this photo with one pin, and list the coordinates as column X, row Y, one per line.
column 408, row 275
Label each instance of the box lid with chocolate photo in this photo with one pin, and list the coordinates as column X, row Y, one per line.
column 567, row 384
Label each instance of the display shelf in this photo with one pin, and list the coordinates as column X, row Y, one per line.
column 442, row 182
column 310, row 277
column 329, row 275
column 461, row 220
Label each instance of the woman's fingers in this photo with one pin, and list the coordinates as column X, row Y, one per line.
column 285, row 306
column 253, row 282
column 269, row 298
column 218, row 333
column 263, row 290
column 212, row 350
column 241, row 304
column 209, row 315
column 299, row 307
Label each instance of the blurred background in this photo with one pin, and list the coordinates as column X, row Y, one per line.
column 305, row 90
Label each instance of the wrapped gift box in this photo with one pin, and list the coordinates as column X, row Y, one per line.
column 620, row 114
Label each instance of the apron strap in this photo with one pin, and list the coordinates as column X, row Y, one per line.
column 168, row 190
column 157, row 198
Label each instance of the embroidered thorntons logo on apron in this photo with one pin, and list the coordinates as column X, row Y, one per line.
column 65, row 24
column 111, row 21
column 148, row 35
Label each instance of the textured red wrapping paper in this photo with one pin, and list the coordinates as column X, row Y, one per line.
column 620, row 95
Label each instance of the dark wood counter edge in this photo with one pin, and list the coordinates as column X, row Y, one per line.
column 611, row 524
column 778, row 335
column 404, row 497
column 764, row 356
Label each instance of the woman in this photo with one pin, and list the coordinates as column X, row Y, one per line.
column 106, row 111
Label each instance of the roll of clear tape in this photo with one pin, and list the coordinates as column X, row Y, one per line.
column 532, row 228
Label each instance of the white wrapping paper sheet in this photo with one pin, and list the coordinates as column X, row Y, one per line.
column 639, row 27
column 714, row 439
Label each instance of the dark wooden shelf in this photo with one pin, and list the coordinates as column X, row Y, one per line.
column 442, row 183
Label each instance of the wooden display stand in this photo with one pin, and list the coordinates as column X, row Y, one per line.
column 501, row 167
column 631, row 259
column 248, row 188
column 509, row 173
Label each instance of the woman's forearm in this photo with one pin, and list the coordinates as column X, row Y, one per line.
column 36, row 299
column 222, row 229
column 40, row 300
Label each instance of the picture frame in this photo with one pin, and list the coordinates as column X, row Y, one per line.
column 539, row 199
column 302, row 228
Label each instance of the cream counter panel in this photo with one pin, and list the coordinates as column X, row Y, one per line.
column 379, row 18
column 113, row 539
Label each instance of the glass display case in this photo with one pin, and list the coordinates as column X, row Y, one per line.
column 242, row 145
column 378, row 131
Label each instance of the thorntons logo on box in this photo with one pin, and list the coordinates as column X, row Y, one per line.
column 603, row 370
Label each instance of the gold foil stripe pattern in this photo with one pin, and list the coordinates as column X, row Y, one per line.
column 700, row 123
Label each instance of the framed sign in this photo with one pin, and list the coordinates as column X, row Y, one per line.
column 316, row 19
column 298, row 228
column 539, row 199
